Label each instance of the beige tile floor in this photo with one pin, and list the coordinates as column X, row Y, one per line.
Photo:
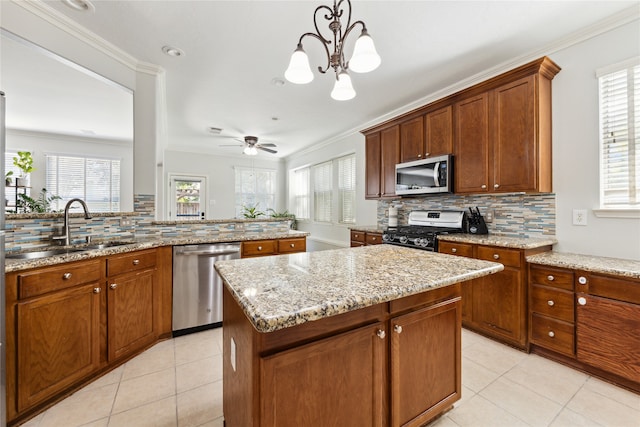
column 179, row 383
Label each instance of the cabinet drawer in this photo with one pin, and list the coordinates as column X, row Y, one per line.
column 357, row 236
column 508, row 257
column 553, row 334
column 46, row 280
column 292, row 245
column 554, row 277
column 373, row 238
column 259, row 247
column 461, row 249
column 131, row 262
column 552, row 302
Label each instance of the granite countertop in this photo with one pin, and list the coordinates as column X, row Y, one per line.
column 135, row 244
column 499, row 240
column 595, row 264
column 367, row 228
column 283, row 291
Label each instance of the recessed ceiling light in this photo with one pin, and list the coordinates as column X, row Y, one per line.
column 172, row 51
column 277, row 82
column 81, row 5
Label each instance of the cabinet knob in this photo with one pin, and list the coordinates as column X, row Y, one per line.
column 397, row 329
column 292, row 245
column 426, row 154
column 96, row 290
column 381, row 334
column 551, row 303
column 136, row 261
column 552, row 334
column 113, row 285
column 454, row 250
column 582, row 280
column 582, row 301
column 496, row 256
column 259, row 248
column 66, row 276
column 419, row 156
column 373, row 238
column 496, row 185
column 483, row 186
column 551, row 278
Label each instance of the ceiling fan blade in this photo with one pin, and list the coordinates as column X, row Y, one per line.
column 266, row 149
column 267, row 145
column 231, row 145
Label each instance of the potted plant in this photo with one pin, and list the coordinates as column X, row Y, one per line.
column 40, row 205
column 7, row 178
column 251, row 212
column 285, row 214
column 24, row 161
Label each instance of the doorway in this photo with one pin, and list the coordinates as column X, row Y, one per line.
column 187, row 197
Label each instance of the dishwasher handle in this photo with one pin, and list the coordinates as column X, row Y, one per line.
column 208, row 252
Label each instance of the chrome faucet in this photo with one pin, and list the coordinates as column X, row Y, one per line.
column 66, row 229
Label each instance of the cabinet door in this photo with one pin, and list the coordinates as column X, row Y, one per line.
column 471, row 149
column 390, row 156
column 412, row 140
column 607, row 335
column 372, row 166
column 514, row 137
column 425, row 363
column 58, row 339
column 439, row 132
column 335, row 381
column 498, row 304
column 130, row 305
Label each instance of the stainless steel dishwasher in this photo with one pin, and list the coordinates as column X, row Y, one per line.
column 197, row 287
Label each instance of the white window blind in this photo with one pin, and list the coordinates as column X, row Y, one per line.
column 620, row 137
column 255, row 188
column 300, row 189
column 347, row 188
column 96, row 181
column 322, row 191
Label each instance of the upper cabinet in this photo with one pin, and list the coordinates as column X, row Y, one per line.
column 383, row 153
column 499, row 132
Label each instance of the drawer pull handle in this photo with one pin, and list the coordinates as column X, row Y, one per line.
column 551, row 303
column 259, row 248
column 582, row 280
column 96, row 290
column 454, row 250
column 381, row 334
column 66, row 276
column 113, row 285
column 373, row 238
column 496, row 185
column 136, row 261
column 357, row 235
column 483, row 186
column 551, row 278
column 293, row 245
column 397, row 329
column 552, row 334
column 496, row 256
column 582, row 301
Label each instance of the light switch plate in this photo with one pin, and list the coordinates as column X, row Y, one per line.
column 579, row 217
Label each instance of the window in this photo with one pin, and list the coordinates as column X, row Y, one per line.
column 187, row 197
column 333, row 183
column 10, row 192
column 322, row 191
column 620, row 136
column 255, row 188
column 300, row 192
column 96, row 181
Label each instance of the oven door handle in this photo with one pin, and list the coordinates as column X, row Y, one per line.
column 436, row 174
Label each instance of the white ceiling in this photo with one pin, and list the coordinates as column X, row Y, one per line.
column 234, row 49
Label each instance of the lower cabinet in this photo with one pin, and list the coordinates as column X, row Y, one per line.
column 362, row 238
column 254, row 248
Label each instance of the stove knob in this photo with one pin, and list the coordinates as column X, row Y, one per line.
column 385, row 238
column 404, row 239
column 424, row 243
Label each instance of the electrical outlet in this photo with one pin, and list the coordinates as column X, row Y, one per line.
column 489, row 215
column 125, row 222
column 579, row 217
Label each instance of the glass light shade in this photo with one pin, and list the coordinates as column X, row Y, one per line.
column 365, row 57
column 250, row 151
column 343, row 90
column 299, row 71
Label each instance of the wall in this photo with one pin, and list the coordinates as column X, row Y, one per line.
column 219, row 171
column 576, row 146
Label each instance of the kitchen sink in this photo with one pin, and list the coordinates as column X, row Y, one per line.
column 103, row 245
column 42, row 254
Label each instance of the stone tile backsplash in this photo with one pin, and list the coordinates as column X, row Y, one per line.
column 517, row 215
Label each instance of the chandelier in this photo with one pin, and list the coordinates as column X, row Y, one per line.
column 364, row 58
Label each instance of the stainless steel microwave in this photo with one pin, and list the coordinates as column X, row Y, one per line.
column 426, row 176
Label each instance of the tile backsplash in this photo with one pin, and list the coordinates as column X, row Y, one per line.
column 517, row 215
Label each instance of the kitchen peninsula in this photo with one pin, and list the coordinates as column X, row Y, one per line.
column 366, row 336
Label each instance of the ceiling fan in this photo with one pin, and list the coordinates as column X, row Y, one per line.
column 251, row 146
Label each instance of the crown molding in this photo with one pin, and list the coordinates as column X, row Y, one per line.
column 68, row 137
column 69, row 26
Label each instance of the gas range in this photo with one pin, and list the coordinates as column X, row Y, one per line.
column 423, row 229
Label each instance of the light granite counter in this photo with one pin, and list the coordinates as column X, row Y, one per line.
column 595, row 264
column 499, row 240
column 367, row 228
column 134, row 244
column 283, row 291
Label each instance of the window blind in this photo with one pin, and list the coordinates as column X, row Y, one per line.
column 322, row 191
column 255, row 187
column 620, row 138
column 347, row 188
column 300, row 187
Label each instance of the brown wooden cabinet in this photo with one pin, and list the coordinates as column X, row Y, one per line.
column 412, row 140
column 496, row 305
column 471, row 147
column 389, row 157
column 439, row 131
column 373, row 166
column 365, row 238
column 254, row 248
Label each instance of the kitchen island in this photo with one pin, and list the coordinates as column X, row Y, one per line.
column 366, row 336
